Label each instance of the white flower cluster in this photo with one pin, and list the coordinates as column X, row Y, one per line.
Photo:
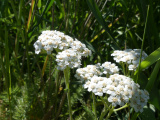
column 49, row 40
column 139, row 100
column 68, row 57
column 110, row 68
column 88, row 72
column 119, row 88
column 71, row 50
column 130, row 57
column 124, row 90
column 80, row 48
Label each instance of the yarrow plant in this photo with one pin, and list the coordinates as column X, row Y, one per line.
column 69, row 50
column 69, row 53
column 120, row 90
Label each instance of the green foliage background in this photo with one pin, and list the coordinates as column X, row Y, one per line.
column 30, row 86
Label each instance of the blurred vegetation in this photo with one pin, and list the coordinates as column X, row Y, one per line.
column 30, row 86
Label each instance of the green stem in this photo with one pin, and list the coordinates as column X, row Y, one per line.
column 107, row 75
column 122, row 64
column 66, row 76
column 105, row 109
column 94, row 105
column 104, row 112
column 144, row 34
column 125, row 106
column 105, row 102
column 7, row 63
column 110, row 113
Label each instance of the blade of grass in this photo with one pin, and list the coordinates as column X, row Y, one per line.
column 152, row 27
column 153, row 76
column 48, row 5
column 30, row 14
column 94, row 8
column 151, row 31
column 7, row 63
column 144, row 34
column 14, row 9
column 67, row 15
column 19, row 27
column 1, row 54
column 103, row 31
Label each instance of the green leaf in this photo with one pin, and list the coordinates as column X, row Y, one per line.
column 152, row 58
column 153, row 76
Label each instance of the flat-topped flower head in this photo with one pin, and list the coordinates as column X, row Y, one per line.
column 50, row 40
column 130, row 57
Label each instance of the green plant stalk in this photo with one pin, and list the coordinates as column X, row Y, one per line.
column 44, row 65
column 19, row 27
column 105, row 109
column 67, row 16
column 14, row 9
column 104, row 102
column 144, row 34
column 107, row 75
column 123, row 67
column 57, row 85
column 66, row 76
column 125, row 106
column 94, row 105
column 1, row 61
column 110, row 113
column 104, row 112
column 8, row 74
column 28, row 61
column 7, row 63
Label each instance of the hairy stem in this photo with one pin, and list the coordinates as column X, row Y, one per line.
column 66, row 76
